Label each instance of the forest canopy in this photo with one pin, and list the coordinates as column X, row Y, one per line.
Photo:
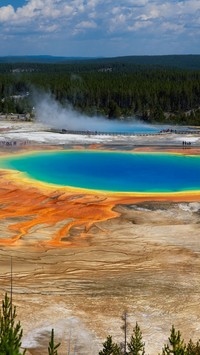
column 112, row 87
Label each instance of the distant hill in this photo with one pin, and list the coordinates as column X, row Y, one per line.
column 176, row 61
column 39, row 59
column 191, row 62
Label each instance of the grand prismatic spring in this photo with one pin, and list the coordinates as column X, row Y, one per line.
column 85, row 186
column 111, row 171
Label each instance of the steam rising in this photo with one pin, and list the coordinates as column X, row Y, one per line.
column 52, row 113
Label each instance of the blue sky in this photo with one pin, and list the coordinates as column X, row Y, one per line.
column 99, row 27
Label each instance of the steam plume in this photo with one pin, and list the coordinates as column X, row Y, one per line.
column 52, row 113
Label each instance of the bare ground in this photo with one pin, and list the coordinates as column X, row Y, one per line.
column 145, row 261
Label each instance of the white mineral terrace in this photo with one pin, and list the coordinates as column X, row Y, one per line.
column 33, row 133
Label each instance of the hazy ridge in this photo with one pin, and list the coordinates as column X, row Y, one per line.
column 190, row 61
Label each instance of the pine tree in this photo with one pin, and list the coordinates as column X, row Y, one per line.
column 136, row 346
column 110, row 348
column 125, row 329
column 176, row 345
column 52, row 348
column 192, row 348
column 10, row 332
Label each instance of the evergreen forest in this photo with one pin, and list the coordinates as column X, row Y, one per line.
column 117, row 88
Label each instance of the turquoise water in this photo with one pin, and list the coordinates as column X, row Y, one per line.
column 111, row 171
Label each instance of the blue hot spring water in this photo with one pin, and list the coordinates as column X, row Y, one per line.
column 111, row 171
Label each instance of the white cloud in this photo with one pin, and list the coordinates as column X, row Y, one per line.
column 138, row 25
column 87, row 24
column 48, row 29
column 109, row 15
column 167, row 26
column 84, row 26
column 6, row 13
column 110, row 19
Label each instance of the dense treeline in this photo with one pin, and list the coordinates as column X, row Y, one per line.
column 11, row 334
column 114, row 90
